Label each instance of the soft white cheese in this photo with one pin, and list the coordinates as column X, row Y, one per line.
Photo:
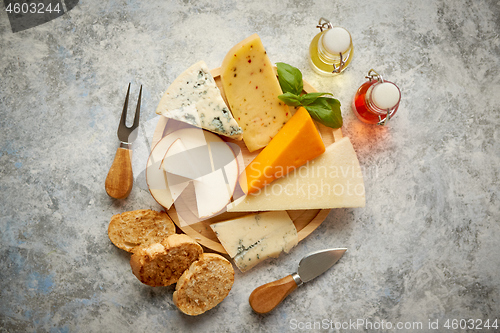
column 186, row 156
column 188, row 163
column 212, row 194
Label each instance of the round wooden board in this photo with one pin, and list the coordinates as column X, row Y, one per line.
column 306, row 221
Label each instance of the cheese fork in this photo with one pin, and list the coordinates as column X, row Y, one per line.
column 120, row 177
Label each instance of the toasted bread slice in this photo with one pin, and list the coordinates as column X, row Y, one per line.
column 162, row 264
column 141, row 227
column 204, row 285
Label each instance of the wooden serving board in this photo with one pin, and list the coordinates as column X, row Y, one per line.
column 306, row 221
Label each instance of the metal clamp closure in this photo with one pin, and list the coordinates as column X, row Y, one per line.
column 324, row 24
column 340, row 67
column 373, row 75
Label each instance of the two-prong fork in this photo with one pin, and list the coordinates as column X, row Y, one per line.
column 120, row 177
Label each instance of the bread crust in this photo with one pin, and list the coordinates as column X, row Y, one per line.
column 204, row 285
column 162, row 264
column 142, row 227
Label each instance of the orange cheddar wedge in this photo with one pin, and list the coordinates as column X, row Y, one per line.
column 295, row 144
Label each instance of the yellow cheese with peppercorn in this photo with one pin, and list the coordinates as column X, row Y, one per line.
column 252, row 91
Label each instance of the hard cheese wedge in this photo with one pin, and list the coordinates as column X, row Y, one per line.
column 332, row 180
column 194, row 98
column 252, row 91
column 254, row 238
column 295, row 144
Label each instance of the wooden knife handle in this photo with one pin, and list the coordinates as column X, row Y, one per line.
column 266, row 297
column 120, row 177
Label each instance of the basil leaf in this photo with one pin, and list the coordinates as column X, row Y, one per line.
column 290, row 99
column 326, row 111
column 311, row 97
column 290, row 78
column 336, row 113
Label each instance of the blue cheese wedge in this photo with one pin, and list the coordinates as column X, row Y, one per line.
column 194, row 98
column 254, row 238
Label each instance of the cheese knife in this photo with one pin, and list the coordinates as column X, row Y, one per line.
column 266, row 297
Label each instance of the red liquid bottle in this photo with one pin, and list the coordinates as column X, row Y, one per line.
column 376, row 100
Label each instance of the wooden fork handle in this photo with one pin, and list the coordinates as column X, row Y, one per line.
column 120, row 177
column 266, row 297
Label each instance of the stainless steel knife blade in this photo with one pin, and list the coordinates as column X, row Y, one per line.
column 316, row 263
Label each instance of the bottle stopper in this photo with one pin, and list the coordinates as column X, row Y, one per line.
column 386, row 95
column 337, row 40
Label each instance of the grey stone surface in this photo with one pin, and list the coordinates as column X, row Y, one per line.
column 425, row 247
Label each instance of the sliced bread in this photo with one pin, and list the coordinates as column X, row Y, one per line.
column 162, row 264
column 204, row 285
column 141, row 227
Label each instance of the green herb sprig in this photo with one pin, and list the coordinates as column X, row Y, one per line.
column 325, row 110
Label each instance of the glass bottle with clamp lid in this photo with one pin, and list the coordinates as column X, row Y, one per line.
column 331, row 50
column 376, row 100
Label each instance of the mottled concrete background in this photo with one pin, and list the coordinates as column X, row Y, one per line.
column 426, row 247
